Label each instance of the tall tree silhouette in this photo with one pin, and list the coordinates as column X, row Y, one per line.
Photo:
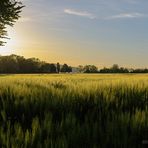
column 58, row 67
column 9, row 13
column 66, row 68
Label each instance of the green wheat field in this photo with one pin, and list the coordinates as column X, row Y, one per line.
column 74, row 111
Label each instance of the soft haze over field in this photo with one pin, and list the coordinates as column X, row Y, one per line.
column 100, row 32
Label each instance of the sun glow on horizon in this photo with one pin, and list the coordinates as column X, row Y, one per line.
column 9, row 46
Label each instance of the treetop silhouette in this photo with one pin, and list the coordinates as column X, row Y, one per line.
column 9, row 12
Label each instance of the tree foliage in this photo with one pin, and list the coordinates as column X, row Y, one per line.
column 18, row 64
column 80, row 68
column 114, row 69
column 90, row 69
column 9, row 13
column 87, row 69
column 66, row 68
column 58, row 67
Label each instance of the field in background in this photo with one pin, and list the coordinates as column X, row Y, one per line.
column 72, row 111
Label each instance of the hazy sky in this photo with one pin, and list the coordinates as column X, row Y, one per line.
column 100, row 32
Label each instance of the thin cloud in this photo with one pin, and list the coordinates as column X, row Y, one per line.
column 80, row 13
column 126, row 15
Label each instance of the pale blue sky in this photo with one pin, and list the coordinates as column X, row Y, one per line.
column 100, row 32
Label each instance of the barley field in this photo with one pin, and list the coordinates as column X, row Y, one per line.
column 74, row 111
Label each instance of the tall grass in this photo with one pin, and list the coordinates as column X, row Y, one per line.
column 72, row 111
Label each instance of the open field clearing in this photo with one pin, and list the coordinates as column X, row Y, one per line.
column 73, row 110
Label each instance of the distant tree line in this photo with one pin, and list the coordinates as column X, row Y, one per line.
column 114, row 69
column 88, row 69
column 19, row 64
